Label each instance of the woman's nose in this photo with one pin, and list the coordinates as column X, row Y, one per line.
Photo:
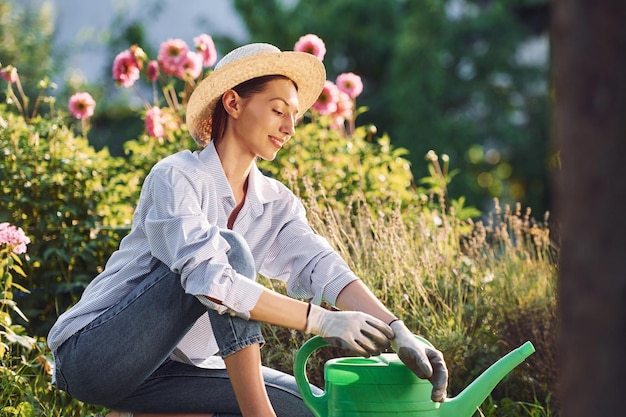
column 289, row 126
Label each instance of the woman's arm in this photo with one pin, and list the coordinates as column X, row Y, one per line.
column 364, row 334
column 425, row 361
column 280, row 310
column 357, row 296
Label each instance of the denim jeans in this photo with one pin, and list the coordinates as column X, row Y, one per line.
column 121, row 359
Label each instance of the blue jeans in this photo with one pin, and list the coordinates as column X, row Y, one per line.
column 121, row 359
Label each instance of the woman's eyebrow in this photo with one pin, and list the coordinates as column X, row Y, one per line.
column 285, row 102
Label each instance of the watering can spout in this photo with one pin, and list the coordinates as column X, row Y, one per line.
column 468, row 400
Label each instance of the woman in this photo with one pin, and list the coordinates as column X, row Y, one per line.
column 181, row 287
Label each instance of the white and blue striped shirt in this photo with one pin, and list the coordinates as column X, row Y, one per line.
column 184, row 202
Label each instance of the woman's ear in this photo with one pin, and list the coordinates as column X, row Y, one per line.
column 232, row 103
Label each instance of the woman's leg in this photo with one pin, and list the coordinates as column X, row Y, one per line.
column 181, row 388
column 244, row 364
column 246, row 376
column 119, row 352
column 212, row 389
column 113, row 355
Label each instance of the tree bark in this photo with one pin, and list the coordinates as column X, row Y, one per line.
column 589, row 80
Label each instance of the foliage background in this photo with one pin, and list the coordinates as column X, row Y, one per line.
column 485, row 285
column 475, row 289
column 455, row 76
column 447, row 75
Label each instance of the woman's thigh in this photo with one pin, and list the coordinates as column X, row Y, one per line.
column 115, row 353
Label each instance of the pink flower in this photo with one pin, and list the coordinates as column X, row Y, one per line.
column 327, row 101
column 13, row 238
column 350, row 83
column 311, row 44
column 206, row 48
column 345, row 111
column 172, row 55
column 82, row 105
column 153, row 70
column 190, row 67
column 126, row 68
column 345, row 107
column 155, row 122
column 9, row 73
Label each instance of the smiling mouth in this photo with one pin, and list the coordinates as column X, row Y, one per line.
column 277, row 142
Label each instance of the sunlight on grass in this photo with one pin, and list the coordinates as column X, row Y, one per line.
column 467, row 286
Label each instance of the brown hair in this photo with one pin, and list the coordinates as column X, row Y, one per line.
column 245, row 90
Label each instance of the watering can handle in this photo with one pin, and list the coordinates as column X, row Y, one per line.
column 317, row 403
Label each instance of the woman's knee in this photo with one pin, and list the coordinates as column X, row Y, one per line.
column 239, row 255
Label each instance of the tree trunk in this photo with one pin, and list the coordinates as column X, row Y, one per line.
column 589, row 79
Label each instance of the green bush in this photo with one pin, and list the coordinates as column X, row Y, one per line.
column 26, row 387
column 344, row 165
column 25, row 362
column 64, row 195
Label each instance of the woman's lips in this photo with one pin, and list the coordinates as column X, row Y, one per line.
column 277, row 142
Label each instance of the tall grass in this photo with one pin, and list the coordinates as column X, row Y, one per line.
column 475, row 289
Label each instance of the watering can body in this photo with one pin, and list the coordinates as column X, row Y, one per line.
column 383, row 386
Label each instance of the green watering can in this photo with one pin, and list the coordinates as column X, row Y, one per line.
column 383, row 386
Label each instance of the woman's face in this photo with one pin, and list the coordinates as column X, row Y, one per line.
column 266, row 120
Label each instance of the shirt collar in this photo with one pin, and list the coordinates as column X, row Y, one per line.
column 261, row 190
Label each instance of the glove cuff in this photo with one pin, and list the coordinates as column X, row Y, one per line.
column 397, row 326
column 400, row 332
column 389, row 324
column 313, row 319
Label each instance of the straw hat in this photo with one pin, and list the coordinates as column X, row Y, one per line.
column 247, row 62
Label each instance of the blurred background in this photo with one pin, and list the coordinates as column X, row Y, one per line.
column 466, row 78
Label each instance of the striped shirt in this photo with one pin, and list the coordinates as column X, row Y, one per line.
column 184, row 202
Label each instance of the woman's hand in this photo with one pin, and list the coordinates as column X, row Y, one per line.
column 360, row 332
column 425, row 361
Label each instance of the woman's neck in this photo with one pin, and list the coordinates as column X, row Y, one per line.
column 236, row 166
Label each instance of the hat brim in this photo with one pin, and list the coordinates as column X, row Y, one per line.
column 304, row 69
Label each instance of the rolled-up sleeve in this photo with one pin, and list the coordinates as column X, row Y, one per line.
column 181, row 236
column 310, row 266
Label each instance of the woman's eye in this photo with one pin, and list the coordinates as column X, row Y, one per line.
column 278, row 112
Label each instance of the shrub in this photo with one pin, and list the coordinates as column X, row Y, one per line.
column 63, row 194
column 343, row 165
column 25, row 363
column 475, row 290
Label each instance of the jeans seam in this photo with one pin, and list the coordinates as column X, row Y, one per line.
column 59, row 379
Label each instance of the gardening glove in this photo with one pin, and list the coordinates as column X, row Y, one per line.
column 354, row 330
column 425, row 361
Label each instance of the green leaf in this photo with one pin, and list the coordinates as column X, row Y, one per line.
column 19, row 270
column 25, row 409
column 20, row 288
